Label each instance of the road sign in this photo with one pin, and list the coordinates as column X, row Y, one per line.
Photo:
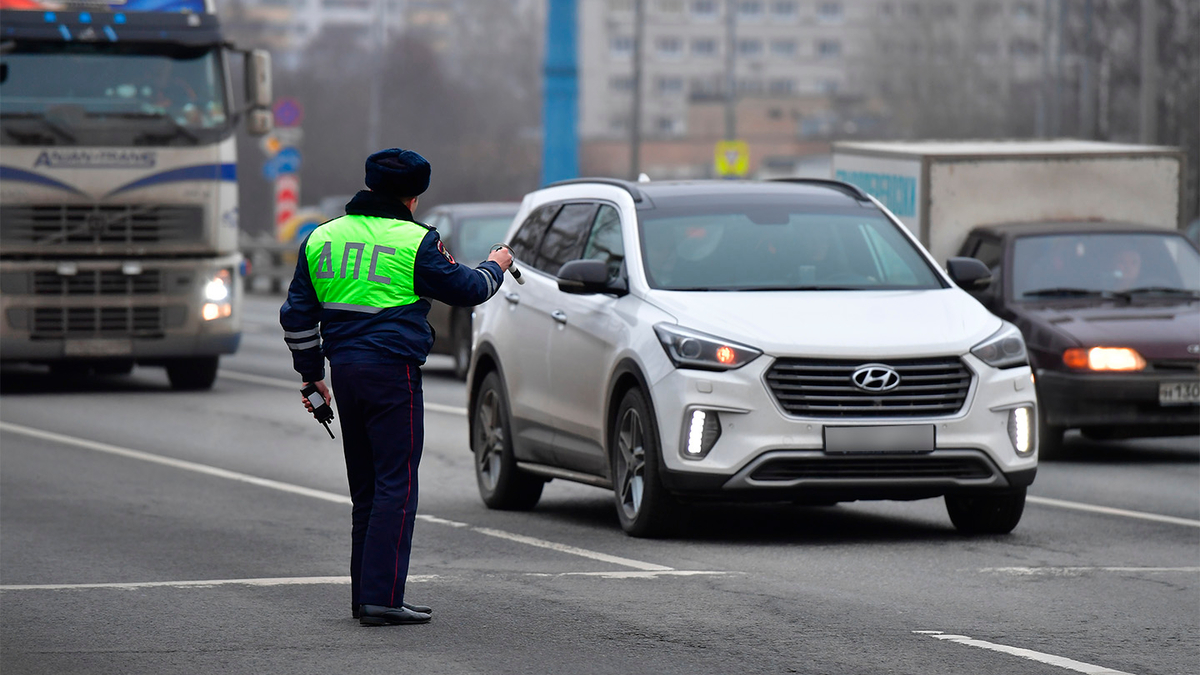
column 731, row 158
column 270, row 144
column 285, row 161
column 288, row 112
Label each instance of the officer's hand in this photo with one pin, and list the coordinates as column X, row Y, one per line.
column 322, row 389
column 502, row 257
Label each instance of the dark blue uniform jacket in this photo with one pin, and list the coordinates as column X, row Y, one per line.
column 394, row 335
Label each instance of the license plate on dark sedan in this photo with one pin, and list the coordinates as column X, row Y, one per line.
column 1179, row 393
column 897, row 439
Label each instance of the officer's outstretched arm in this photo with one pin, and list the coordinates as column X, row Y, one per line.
column 300, row 317
column 437, row 276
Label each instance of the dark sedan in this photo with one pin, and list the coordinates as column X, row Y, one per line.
column 468, row 230
column 1111, row 318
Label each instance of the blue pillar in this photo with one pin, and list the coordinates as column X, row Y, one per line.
column 560, row 96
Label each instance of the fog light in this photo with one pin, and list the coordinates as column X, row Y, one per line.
column 212, row 310
column 702, row 431
column 1020, row 430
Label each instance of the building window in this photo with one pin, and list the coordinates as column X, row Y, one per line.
column 621, row 46
column 618, row 123
column 830, row 12
column 620, row 83
column 668, row 46
column 670, row 6
column 829, row 49
column 828, row 86
column 783, row 9
column 704, row 9
column 781, row 86
column 706, row 87
column 750, row 85
column 750, row 9
column 749, row 47
column 704, row 47
column 669, row 125
column 785, row 48
column 669, row 85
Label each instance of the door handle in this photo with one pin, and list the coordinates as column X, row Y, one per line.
column 513, row 298
column 559, row 316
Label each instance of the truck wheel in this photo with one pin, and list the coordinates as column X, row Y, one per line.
column 996, row 513
column 193, row 374
column 462, row 345
column 644, row 506
column 501, row 484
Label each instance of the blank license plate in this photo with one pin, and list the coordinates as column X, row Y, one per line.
column 99, row 347
column 908, row 438
column 1179, row 393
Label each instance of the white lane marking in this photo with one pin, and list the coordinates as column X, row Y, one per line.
column 280, row 383
column 202, row 583
column 563, row 548
column 1041, row 657
column 1108, row 510
column 1076, row 571
column 316, row 494
column 634, row 575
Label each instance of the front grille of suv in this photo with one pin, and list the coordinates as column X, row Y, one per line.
column 824, row 388
column 873, row 467
column 100, row 224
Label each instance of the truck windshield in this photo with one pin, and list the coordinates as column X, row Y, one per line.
column 1089, row 263
column 119, row 94
column 753, row 246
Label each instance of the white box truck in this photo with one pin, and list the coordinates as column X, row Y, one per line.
column 941, row 190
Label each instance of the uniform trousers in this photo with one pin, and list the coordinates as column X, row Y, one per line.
column 382, row 417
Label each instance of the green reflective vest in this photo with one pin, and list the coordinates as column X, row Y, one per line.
column 364, row 263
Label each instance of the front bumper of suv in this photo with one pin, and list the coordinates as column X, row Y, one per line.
column 764, row 453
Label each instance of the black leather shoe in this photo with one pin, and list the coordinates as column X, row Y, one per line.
column 379, row 615
column 421, row 609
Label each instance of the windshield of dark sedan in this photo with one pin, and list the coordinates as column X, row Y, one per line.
column 69, row 91
column 1097, row 263
column 477, row 234
column 759, row 245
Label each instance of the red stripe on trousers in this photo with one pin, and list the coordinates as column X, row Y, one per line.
column 404, row 512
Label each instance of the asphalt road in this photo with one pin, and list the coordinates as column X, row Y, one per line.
column 149, row 531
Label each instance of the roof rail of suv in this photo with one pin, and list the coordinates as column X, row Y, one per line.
column 851, row 190
column 628, row 186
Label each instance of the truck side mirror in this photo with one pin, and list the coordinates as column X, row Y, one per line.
column 259, row 122
column 258, row 79
column 970, row 274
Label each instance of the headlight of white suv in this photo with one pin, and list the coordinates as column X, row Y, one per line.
column 693, row 349
column 1004, row 349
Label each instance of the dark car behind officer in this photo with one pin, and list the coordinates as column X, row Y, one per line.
column 359, row 298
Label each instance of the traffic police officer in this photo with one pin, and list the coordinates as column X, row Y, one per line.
column 359, row 298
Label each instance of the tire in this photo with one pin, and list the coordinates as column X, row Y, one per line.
column 996, row 513
column 644, row 506
column 193, row 374
column 461, row 347
column 501, row 484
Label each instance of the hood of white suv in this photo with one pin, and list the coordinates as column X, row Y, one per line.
column 866, row 324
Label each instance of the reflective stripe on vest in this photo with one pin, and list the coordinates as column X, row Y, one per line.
column 363, row 263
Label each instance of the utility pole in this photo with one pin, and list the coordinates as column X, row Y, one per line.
column 379, row 40
column 635, row 115
column 1056, row 108
column 1087, row 86
column 1042, row 122
column 1148, row 110
column 730, row 70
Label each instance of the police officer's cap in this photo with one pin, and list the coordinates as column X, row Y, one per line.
column 401, row 173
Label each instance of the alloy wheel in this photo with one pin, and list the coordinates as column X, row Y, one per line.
column 631, row 462
column 489, row 439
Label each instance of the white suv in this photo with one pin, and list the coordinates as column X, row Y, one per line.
column 778, row 341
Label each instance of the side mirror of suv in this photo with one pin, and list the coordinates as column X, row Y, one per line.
column 583, row 277
column 970, row 274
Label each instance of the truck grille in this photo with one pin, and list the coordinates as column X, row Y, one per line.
column 859, row 468
column 100, row 224
column 824, row 388
column 64, row 322
column 97, row 282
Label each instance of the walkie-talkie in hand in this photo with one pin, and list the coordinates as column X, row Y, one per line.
column 321, row 409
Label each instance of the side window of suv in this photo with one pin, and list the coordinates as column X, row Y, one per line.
column 565, row 239
column 604, row 242
column 527, row 239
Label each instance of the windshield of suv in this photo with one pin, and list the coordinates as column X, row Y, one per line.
column 731, row 246
column 1091, row 263
column 112, row 93
column 476, row 235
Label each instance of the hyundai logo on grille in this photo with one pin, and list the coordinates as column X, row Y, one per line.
column 875, row 377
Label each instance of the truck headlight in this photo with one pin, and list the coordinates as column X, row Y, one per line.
column 693, row 349
column 1004, row 349
column 217, row 295
column 1020, row 430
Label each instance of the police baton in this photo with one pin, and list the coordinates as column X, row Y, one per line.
column 516, row 273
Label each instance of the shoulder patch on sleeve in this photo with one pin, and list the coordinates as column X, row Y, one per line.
column 446, row 254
